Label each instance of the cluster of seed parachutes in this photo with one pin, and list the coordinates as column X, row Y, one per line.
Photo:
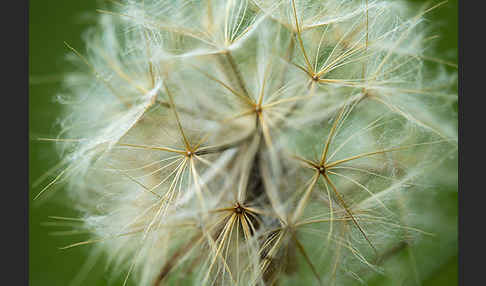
column 252, row 142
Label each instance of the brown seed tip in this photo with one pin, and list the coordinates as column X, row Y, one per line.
column 322, row 170
column 239, row 209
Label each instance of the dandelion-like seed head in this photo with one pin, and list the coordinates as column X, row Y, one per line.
column 248, row 142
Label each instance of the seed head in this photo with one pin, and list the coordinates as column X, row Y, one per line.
column 316, row 117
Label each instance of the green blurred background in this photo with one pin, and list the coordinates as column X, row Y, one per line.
column 53, row 22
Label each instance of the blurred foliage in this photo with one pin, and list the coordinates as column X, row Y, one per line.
column 53, row 22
